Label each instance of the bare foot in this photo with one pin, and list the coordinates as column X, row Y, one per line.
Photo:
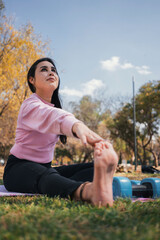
column 99, row 192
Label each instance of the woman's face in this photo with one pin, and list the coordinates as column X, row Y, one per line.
column 46, row 79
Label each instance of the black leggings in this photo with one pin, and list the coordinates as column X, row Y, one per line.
column 30, row 177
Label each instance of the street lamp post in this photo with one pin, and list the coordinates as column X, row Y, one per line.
column 134, row 124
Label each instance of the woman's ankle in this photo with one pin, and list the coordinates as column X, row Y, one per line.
column 82, row 192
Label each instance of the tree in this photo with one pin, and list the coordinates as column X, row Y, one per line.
column 154, row 148
column 18, row 50
column 147, row 116
column 96, row 116
column 1, row 6
column 121, row 129
column 60, row 153
column 88, row 110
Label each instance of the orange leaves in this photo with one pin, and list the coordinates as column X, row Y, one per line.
column 18, row 50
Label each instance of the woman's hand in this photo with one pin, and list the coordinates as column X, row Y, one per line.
column 85, row 134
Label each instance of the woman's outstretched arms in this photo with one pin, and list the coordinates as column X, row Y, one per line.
column 86, row 135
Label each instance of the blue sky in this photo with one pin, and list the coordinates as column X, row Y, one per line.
column 97, row 44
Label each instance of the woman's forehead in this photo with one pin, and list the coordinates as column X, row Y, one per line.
column 45, row 63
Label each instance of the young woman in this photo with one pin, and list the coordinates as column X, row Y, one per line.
column 41, row 122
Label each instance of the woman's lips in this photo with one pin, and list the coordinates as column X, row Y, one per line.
column 51, row 79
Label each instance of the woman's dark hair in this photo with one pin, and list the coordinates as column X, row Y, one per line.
column 55, row 97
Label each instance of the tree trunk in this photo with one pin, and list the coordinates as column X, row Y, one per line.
column 155, row 158
column 139, row 158
column 86, row 157
column 132, row 158
column 156, row 161
column 120, row 157
column 144, row 156
column 61, row 160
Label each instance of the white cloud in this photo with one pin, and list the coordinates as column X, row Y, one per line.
column 127, row 66
column 144, row 70
column 71, row 92
column 111, row 64
column 114, row 64
column 91, row 86
column 88, row 88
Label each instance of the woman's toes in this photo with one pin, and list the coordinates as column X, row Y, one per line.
column 97, row 152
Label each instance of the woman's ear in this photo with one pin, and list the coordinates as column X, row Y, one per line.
column 31, row 80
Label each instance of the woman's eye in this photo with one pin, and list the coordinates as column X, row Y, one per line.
column 54, row 70
column 44, row 69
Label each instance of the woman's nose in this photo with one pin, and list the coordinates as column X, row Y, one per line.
column 51, row 73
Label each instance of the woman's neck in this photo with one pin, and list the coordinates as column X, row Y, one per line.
column 44, row 97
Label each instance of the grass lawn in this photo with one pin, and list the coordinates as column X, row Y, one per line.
column 40, row 217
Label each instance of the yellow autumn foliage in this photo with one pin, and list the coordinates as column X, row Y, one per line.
column 18, row 50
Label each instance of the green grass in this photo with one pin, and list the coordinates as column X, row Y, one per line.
column 41, row 217
column 45, row 218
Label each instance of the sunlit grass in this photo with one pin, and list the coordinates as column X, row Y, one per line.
column 137, row 175
column 41, row 217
